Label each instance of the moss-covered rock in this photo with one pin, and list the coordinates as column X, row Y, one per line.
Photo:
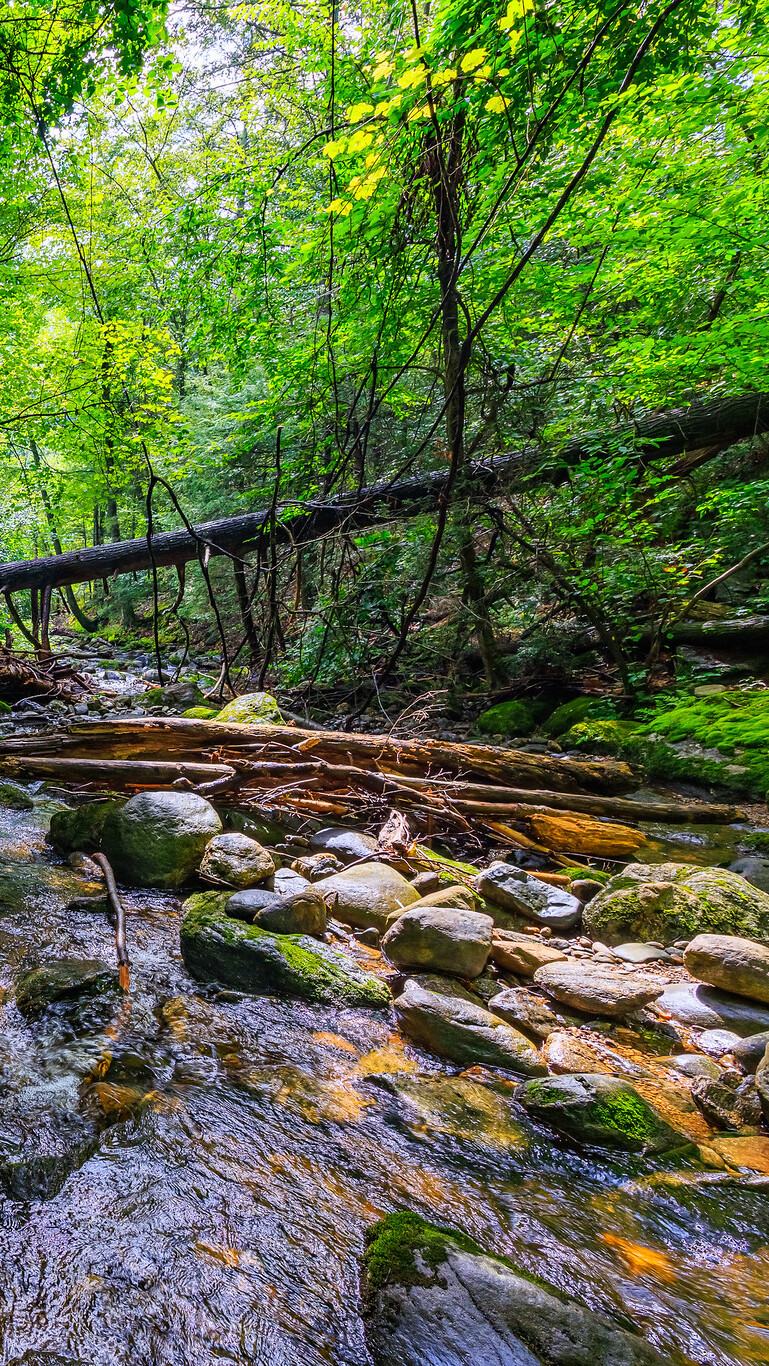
column 599, row 737
column 40, row 986
column 670, row 901
column 15, row 796
column 508, row 718
column 598, row 1110
column 217, row 948
column 253, row 708
column 567, row 715
column 720, row 740
column 82, row 827
column 201, row 713
column 433, row 1295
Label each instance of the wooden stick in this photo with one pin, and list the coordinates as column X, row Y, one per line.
column 124, row 965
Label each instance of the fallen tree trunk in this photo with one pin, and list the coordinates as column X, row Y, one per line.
column 160, row 737
column 661, row 435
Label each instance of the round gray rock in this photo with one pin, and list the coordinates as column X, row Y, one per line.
column 234, row 860
column 737, row 965
column 707, row 1008
column 440, row 939
column 246, row 905
column 367, row 895
column 158, row 838
column 595, row 988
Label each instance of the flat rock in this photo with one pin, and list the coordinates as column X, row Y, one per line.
column 717, row 1042
column 749, row 1153
column 517, row 891
column 598, row 1110
column 464, row 1033
column 433, row 1299
column 595, row 988
column 638, row 953
column 457, row 942
column 216, row 948
column 564, row 1052
column 51, row 982
column 344, row 844
column 367, row 895
column 740, row 966
column 750, row 1051
column 519, row 1007
column 694, row 1065
column 522, row 955
column 704, row 1007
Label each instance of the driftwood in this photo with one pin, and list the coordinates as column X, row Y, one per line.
column 23, row 676
column 278, row 769
column 660, row 435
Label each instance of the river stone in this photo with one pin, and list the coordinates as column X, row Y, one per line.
column 253, row 708
column 367, row 895
column 316, row 866
column 754, row 870
column 444, row 986
column 15, row 796
column 216, row 948
column 703, row 1007
column 304, row 913
column 727, row 1107
column 287, row 882
column 344, row 844
column 670, row 901
column 737, row 965
column 519, row 1007
column 564, row 1052
column 717, row 1042
column 432, row 1297
column 233, row 860
column 694, row 1065
column 464, row 1033
column 39, row 987
column 454, row 941
column 81, row 828
column 246, row 905
column 521, row 954
column 450, row 898
column 426, row 883
column 40, row 1145
column 158, row 838
column 598, row 1110
column 514, row 890
column 750, row 1051
column 638, row 953
column 596, row 988
column 459, row 1107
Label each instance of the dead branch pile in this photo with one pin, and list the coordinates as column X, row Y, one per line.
column 542, row 802
column 22, row 675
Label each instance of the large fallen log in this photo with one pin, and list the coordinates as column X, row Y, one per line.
column 660, row 435
column 161, row 737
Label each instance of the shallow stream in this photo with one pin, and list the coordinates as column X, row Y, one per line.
column 245, row 1146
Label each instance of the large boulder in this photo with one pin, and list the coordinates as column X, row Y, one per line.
column 252, row 709
column 596, row 989
column 737, row 965
column 235, row 860
column 671, row 901
column 158, row 839
column 367, row 895
column 464, row 1033
column 516, row 891
column 432, row 1297
column 598, row 1110
column 216, row 948
column 441, row 940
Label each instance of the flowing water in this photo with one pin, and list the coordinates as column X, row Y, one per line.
column 210, row 1167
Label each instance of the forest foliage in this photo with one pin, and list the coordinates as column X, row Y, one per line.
column 381, row 240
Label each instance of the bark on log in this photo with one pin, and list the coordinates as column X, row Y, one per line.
column 661, row 435
column 117, row 773
column 160, row 737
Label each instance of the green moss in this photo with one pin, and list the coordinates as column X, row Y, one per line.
column 627, row 1114
column 757, row 839
column 201, row 713
column 218, row 948
column 567, row 715
column 735, row 723
column 508, row 718
column 599, row 737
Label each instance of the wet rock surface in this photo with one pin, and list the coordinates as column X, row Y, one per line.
column 464, row 1033
column 737, row 965
column 457, row 942
column 595, row 1109
column 516, row 891
column 596, row 989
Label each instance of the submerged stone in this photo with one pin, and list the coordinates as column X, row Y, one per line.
column 458, row 1107
column 51, row 982
column 599, row 1110
column 217, row 948
column 464, row 1033
column 433, row 1297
